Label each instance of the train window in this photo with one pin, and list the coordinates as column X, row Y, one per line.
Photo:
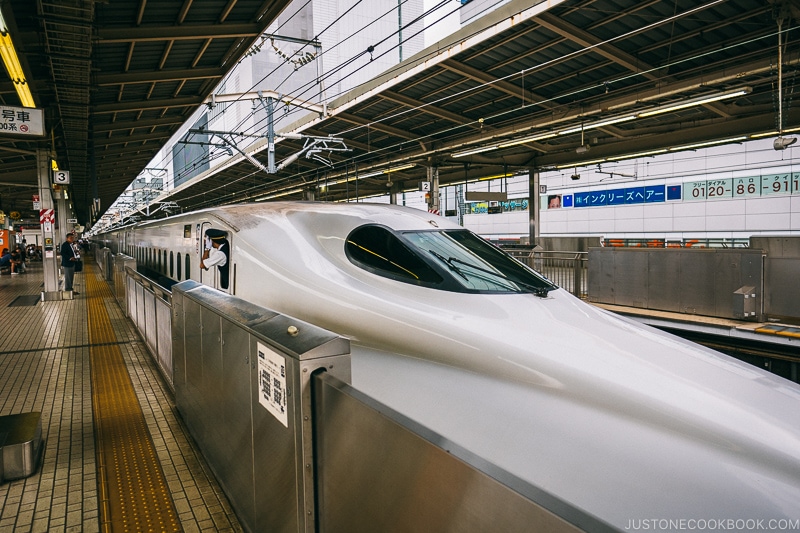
column 380, row 251
column 164, row 261
column 171, row 264
column 475, row 264
column 179, row 267
column 188, row 270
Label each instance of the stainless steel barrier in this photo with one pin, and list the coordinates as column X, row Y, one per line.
column 724, row 283
column 242, row 385
column 379, row 471
column 568, row 270
column 119, row 279
column 105, row 260
column 781, row 266
column 149, row 306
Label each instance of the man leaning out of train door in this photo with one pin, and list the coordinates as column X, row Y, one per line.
column 217, row 254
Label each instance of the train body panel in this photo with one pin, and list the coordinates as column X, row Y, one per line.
column 617, row 418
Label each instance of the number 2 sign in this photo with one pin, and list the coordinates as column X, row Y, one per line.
column 61, row 177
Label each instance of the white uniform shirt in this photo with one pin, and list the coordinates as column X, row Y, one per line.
column 216, row 257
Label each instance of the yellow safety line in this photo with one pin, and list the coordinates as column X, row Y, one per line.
column 133, row 491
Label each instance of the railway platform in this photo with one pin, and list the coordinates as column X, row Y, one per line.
column 115, row 454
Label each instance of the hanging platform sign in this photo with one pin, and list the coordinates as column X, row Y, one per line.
column 27, row 121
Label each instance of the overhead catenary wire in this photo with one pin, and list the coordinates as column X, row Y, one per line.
column 500, row 115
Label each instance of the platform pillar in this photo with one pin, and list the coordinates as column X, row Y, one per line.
column 49, row 255
column 533, row 209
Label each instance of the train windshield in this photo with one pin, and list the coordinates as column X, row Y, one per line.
column 455, row 260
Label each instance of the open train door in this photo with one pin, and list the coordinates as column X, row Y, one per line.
column 218, row 276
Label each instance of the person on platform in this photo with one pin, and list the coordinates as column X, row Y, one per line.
column 6, row 260
column 68, row 260
column 216, row 254
column 19, row 252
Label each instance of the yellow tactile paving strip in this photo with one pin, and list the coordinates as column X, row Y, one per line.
column 782, row 331
column 133, row 491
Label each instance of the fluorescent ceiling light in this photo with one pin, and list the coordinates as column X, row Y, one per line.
column 384, row 171
column 582, row 163
column 600, row 124
column 475, row 150
column 496, row 176
column 278, row 195
column 11, row 61
column 709, row 143
column 401, row 167
column 767, row 134
column 639, row 154
column 370, row 174
column 696, row 102
column 532, row 138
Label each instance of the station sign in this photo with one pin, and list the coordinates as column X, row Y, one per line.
column 26, row 121
column 61, row 177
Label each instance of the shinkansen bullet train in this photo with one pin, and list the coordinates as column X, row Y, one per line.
column 619, row 419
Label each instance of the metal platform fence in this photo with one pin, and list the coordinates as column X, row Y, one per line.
column 568, row 270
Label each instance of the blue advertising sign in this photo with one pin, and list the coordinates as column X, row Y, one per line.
column 617, row 197
column 634, row 195
column 654, row 193
column 582, row 199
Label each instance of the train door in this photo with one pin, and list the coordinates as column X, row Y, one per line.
column 205, row 276
column 218, row 277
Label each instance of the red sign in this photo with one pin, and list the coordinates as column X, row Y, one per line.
column 47, row 215
column 35, row 197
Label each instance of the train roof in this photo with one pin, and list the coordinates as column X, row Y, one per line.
column 244, row 216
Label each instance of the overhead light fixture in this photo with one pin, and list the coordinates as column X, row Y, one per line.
column 496, row 176
column 638, row 154
column 696, row 102
column 709, row 143
column 581, row 164
column 766, row 134
column 401, row 167
column 475, row 150
column 278, row 195
column 530, row 139
column 594, row 125
column 11, row 61
column 380, row 172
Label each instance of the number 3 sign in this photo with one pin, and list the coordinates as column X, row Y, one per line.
column 61, row 177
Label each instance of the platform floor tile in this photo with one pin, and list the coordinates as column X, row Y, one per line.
column 45, row 366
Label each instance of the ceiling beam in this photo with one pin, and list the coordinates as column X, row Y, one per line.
column 177, row 33
column 507, row 87
column 594, row 44
column 137, row 124
column 431, row 109
column 137, row 105
column 125, row 78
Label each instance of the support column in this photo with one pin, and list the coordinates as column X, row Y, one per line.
column 533, row 207
column 49, row 255
column 433, row 201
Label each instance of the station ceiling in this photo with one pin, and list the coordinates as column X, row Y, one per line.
column 116, row 80
column 523, row 87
